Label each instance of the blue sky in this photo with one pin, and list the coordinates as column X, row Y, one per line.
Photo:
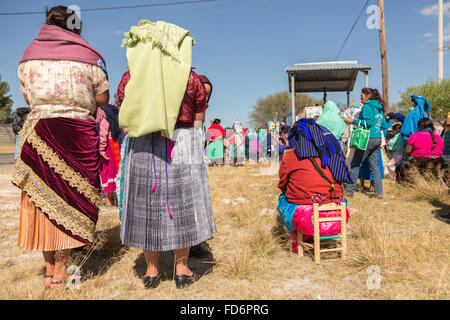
column 244, row 46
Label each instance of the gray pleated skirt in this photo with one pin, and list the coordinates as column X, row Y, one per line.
column 182, row 190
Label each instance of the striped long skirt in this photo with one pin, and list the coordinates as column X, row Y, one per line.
column 166, row 200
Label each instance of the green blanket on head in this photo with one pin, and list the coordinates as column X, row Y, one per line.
column 159, row 59
column 331, row 120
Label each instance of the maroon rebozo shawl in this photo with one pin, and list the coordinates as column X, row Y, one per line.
column 59, row 159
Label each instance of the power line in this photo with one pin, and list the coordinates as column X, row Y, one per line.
column 348, row 36
column 116, row 8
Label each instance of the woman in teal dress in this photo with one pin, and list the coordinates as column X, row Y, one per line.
column 215, row 146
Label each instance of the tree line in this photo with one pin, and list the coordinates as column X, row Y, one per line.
column 6, row 102
column 277, row 105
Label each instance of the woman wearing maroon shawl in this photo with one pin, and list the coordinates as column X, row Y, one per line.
column 63, row 78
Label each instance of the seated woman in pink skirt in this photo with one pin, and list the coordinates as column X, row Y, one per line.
column 423, row 150
column 312, row 171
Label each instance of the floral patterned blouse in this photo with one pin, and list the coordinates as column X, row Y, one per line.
column 62, row 88
column 194, row 101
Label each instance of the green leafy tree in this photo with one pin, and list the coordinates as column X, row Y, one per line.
column 437, row 94
column 6, row 102
column 278, row 105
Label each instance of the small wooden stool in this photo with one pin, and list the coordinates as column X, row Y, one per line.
column 317, row 238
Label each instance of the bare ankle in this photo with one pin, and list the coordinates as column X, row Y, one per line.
column 182, row 269
column 152, row 273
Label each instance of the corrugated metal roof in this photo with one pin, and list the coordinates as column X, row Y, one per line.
column 325, row 76
column 333, row 65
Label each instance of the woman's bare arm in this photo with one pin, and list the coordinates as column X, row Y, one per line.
column 102, row 99
column 200, row 116
column 26, row 99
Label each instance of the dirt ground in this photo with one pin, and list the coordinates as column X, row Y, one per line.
column 398, row 249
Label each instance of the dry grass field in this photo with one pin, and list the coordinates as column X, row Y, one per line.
column 405, row 235
column 7, row 148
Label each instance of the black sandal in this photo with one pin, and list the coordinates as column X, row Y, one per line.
column 151, row 282
column 182, row 280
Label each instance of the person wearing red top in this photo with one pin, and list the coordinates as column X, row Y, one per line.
column 194, row 101
column 202, row 250
column 300, row 181
column 215, row 146
column 167, row 203
column 304, row 180
column 217, row 131
column 121, row 87
column 208, row 85
column 200, row 117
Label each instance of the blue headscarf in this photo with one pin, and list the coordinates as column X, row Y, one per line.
column 400, row 117
column 420, row 111
column 312, row 140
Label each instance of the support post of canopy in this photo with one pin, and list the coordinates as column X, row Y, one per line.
column 366, row 79
column 293, row 97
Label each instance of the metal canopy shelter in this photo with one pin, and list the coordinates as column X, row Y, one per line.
column 325, row 77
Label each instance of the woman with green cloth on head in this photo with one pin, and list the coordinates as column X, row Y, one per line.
column 331, row 120
column 166, row 199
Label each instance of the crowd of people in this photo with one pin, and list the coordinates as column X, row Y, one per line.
column 323, row 165
column 392, row 137
column 149, row 153
column 238, row 145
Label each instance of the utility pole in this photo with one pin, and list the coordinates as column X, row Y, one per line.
column 384, row 62
column 440, row 41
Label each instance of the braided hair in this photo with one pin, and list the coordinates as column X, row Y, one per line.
column 333, row 183
column 425, row 124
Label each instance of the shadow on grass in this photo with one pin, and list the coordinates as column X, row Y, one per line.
column 106, row 250
column 281, row 236
column 166, row 265
column 443, row 213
